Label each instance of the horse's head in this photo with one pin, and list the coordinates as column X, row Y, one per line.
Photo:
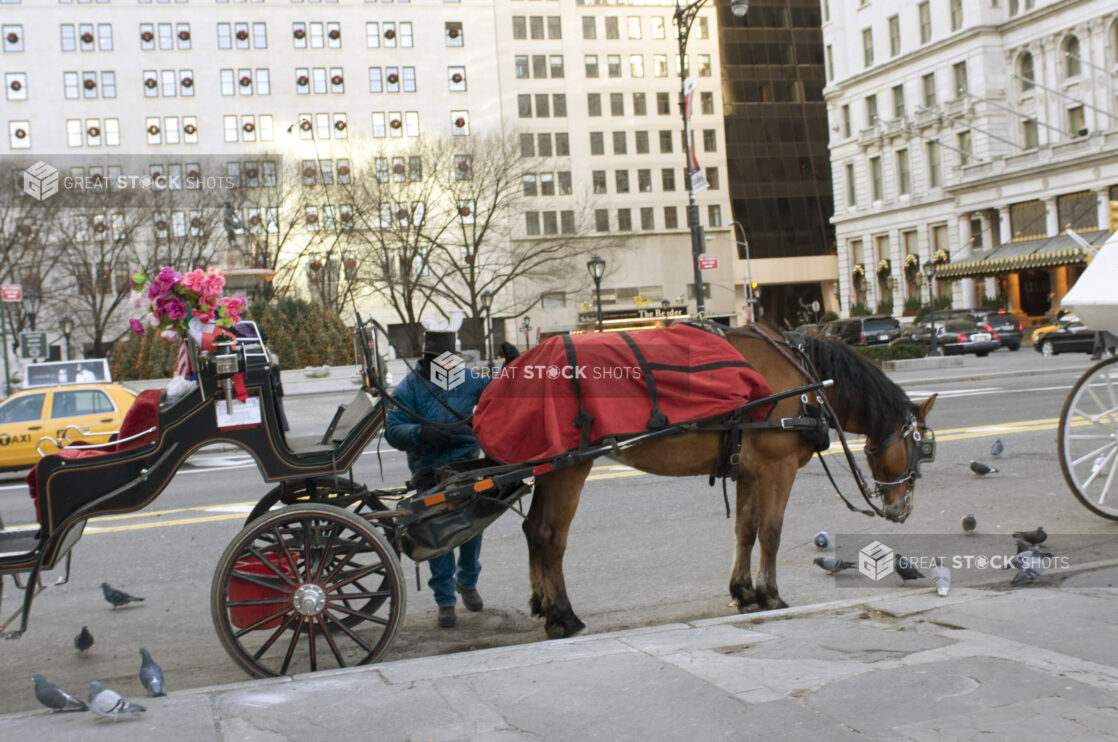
column 895, row 461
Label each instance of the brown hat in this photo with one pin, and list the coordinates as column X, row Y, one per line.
column 437, row 343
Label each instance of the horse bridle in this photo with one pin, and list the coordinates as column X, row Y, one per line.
column 920, row 448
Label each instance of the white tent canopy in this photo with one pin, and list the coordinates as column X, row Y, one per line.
column 1094, row 297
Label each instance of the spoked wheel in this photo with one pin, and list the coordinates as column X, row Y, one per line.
column 1088, row 439
column 307, row 588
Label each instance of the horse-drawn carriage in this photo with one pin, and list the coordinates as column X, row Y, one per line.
column 313, row 581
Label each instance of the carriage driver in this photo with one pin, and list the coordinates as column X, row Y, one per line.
column 432, row 445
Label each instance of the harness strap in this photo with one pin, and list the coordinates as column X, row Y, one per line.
column 657, row 419
column 583, row 420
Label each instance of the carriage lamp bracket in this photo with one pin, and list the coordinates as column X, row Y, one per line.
column 226, row 363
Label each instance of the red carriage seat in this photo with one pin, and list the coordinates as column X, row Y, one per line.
column 142, row 415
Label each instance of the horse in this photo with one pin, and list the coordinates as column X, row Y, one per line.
column 862, row 400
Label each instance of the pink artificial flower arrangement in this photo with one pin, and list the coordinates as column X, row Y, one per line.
column 173, row 299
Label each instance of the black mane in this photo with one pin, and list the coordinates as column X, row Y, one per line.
column 861, row 388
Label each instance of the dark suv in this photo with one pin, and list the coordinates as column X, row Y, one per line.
column 879, row 329
column 1002, row 322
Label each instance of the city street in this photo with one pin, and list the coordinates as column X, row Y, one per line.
column 642, row 550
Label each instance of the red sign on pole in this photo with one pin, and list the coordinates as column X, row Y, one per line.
column 708, row 262
column 11, row 292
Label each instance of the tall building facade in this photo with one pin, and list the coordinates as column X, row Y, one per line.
column 589, row 92
column 780, row 174
column 970, row 137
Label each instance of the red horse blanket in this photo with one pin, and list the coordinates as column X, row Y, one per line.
column 531, row 410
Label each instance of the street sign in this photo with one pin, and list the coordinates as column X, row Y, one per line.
column 708, row 262
column 11, row 292
column 32, row 345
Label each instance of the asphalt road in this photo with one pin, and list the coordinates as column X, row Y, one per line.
column 642, row 550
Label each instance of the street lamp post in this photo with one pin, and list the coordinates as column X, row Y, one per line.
column 750, row 299
column 597, row 268
column 930, row 273
column 66, row 325
column 526, row 328
column 487, row 304
column 31, row 302
column 684, row 16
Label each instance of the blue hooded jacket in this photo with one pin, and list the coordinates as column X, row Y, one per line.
column 418, row 393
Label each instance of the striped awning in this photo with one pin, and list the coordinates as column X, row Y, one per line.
column 1047, row 252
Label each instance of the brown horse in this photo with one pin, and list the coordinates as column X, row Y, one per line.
column 863, row 400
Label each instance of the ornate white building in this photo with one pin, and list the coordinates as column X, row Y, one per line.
column 971, row 135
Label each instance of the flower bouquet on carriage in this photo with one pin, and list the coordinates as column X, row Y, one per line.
column 180, row 305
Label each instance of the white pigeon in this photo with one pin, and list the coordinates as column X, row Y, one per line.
column 941, row 577
column 108, row 704
column 1030, row 564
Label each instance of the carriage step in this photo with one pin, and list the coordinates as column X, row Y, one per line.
column 18, row 542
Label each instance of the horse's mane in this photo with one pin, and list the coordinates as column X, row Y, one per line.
column 860, row 387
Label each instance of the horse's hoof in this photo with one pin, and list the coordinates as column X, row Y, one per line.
column 555, row 632
column 569, row 626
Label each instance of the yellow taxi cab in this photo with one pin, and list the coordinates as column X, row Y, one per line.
column 95, row 409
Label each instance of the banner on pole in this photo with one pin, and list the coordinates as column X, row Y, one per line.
column 694, row 172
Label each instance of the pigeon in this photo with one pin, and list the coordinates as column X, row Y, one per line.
column 1032, row 537
column 822, row 539
column 53, row 697
column 981, row 469
column 998, row 448
column 906, row 569
column 1030, row 566
column 151, row 674
column 969, row 524
column 834, row 565
column 941, row 577
column 83, row 641
column 108, row 704
column 117, row 597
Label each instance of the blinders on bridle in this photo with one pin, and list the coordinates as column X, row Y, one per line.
column 920, row 448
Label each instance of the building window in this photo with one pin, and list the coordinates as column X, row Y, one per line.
column 925, row 14
column 712, row 178
column 894, row 36
column 867, row 48
column 928, row 83
column 532, row 223
column 1072, row 64
column 601, row 220
column 617, row 104
column 1077, row 124
column 871, row 110
column 667, row 179
column 904, row 184
column 1029, row 134
column 633, row 24
column 898, row 102
column 714, row 216
column 846, row 125
column 1025, row 70
column 660, row 65
column 644, row 180
column 932, row 154
column 597, row 143
column 641, row 142
column 452, row 30
column 663, row 104
column 624, row 220
column 710, row 140
column 671, row 218
column 647, row 219
column 589, row 27
column 875, row 178
column 543, row 109
column 612, row 27
column 535, row 26
column 851, row 192
column 703, row 64
column 539, row 66
column 590, row 62
column 963, row 143
column 830, row 60
column 959, row 71
column 524, row 105
column 520, row 66
column 613, row 65
column 556, row 61
column 636, row 65
column 598, row 181
column 593, row 104
column 706, row 103
column 621, row 181
column 519, row 27
column 619, row 143
column 956, row 14
column 640, row 107
column 666, row 138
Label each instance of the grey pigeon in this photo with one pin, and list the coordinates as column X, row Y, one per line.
column 822, row 539
column 1030, row 566
column 906, row 569
column 1032, row 537
column 941, row 577
column 969, row 524
column 117, row 597
column 981, row 469
column 53, row 697
column 998, row 448
column 833, row 564
column 108, row 704
column 151, row 674
column 84, row 640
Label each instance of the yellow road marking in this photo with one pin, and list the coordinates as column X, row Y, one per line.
column 159, row 521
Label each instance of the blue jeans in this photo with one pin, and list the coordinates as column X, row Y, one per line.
column 468, row 567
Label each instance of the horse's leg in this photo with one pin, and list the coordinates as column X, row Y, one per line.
column 549, row 518
column 745, row 528
column 770, row 520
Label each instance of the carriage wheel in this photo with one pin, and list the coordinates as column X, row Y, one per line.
column 288, row 596
column 1088, row 439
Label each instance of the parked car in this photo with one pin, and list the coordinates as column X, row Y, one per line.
column 1003, row 323
column 957, row 336
column 1052, row 322
column 1069, row 335
column 879, row 329
column 29, row 415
